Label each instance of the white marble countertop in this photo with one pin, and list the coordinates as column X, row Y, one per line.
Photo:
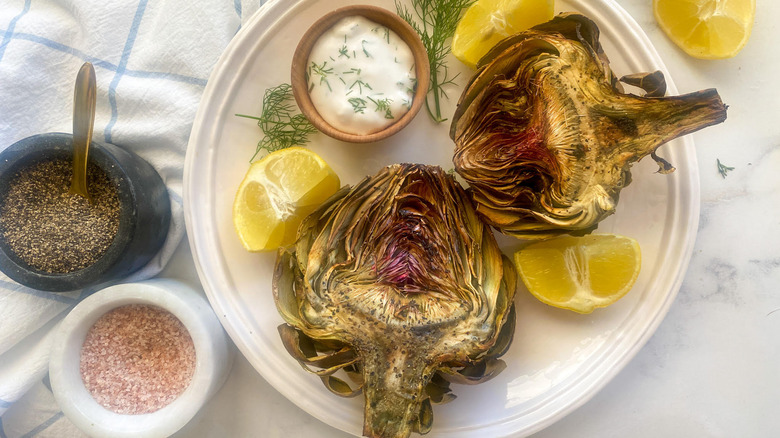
column 711, row 367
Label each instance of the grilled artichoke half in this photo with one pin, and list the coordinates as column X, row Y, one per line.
column 397, row 283
column 545, row 136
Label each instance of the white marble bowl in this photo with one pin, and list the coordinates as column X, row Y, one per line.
column 213, row 356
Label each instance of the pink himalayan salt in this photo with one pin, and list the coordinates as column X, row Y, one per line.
column 137, row 359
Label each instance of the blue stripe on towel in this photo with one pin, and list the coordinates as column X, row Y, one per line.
column 5, row 404
column 63, row 48
column 38, row 293
column 87, row 291
column 139, row 13
column 175, row 197
column 237, row 6
column 54, row 45
column 41, row 427
column 10, row 31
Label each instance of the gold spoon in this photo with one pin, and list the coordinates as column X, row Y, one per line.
column 84, row 98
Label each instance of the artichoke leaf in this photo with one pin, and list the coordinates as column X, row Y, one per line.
column 664, row 166
column 340, row 387
column 504, row 340
column 472, row 374
column 438, row 390
column 653, row 83
column 425, row 418
column 302, row 348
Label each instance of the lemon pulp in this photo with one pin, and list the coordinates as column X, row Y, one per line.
column 487, row 22
column 707, row 29
column 277, row 193
column 580, row 273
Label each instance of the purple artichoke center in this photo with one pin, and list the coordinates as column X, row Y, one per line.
column 411, row 253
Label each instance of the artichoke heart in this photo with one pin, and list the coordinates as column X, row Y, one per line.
column 395, row 288
column 545, row 135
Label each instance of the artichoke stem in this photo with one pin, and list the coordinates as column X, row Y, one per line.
column 659, row 120
column 394, row 382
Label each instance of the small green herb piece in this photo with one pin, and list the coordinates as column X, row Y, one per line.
column 358, row 104
column 360, row 85
column 343, row 51
column 323, row 71
column 437, row 22
column 363, row 45
column 282, row 125
column 383, row 105
column 723, row 169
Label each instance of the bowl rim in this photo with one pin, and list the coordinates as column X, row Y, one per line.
column 382, row 16
column 213, row 359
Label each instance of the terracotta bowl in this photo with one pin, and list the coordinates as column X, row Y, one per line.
column 379, row 15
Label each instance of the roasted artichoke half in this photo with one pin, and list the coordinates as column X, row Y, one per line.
column 396, row 284
column 545, row 137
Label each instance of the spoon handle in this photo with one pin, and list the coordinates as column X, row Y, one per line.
column 84, row 98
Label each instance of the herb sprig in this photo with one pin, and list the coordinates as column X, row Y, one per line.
column 437, row 22
column 723, row 169
column 280, row 123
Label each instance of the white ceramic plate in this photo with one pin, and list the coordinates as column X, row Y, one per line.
column 558, row 359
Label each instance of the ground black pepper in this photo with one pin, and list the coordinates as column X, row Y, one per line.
column 49, row 228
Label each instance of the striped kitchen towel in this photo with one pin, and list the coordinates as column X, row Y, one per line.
column 152, row 59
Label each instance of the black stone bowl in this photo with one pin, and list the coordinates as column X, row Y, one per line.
column 144, row 218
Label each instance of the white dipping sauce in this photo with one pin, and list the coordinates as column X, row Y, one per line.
column 360, row 76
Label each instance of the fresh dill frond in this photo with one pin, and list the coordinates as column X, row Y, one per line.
column 435, row 23
column 723, row 169
column 280, row 122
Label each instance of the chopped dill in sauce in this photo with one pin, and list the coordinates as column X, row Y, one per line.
column 361, row 76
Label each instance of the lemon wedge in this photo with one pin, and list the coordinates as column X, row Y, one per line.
column 487, row 22
column 580, row 273
column 707, row 29
column 277, row 193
